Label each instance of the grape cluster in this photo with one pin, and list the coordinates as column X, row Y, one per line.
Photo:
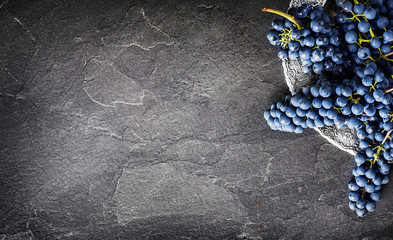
column 375, row 144
column 350, row 55
column 315, row 45
column 324, row 104
column 366, row 29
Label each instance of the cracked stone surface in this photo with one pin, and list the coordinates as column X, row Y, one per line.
column 143, row 120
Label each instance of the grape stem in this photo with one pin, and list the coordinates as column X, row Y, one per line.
column 384, row 56
column 380, row 146
column 388, row 90
column 291, row 18
column 387, row 55
column 372, row 33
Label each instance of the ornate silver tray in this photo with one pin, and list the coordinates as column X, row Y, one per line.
column 345, row 139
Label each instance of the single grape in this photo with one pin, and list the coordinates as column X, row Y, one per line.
column 303, row 11
column 294, row 45
column 296, row 33
column 370, row 206
column 370, row 13
column 282, row 54
column 378, row 95
column 354, row 122
column 375, row 196
column 351, row 37
column 325, row 91
column 364, row 26
column 278, row 24
column 353, row 196
column 309, row 41
column 387, row 36
column 361, row 203
column 361, row 212
column 322, row 40
column 273, row 38
column 357, row 109
column 352, row 186
column 305, row 53
column 352, row 206
column 317, row 55
column 341, row 17
column 361, row 181
column 376, row 42
column 358, row 8
column 383, row 22
column 364, row 53
column 347, row 6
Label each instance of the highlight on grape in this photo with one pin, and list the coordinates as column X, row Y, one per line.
column 351, row 54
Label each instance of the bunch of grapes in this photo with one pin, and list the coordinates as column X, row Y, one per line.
column 324, row 104
column 308, row 37
column 350, row 54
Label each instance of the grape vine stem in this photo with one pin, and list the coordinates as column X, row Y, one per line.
column 384, row 56
column 291, row 18
column 380, row 146
column 388, row 90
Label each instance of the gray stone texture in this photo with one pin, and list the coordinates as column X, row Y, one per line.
column 143, row 120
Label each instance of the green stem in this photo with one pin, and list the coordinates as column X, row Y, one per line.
column 291, row 18
column 355, row 16
column 364, row 40
column 380, row 146
column 372, row 33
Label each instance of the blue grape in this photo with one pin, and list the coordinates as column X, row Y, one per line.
column 387, row 36
column 296, row 33
column 353, row 196
column 351, row 37
column 338, row 58
column 361, row 181
column 357, row 109
column 375, row 42
column 347, row 6
column 375, row 196
column 293, row 55
column 353, row 122
column 322, row 40
column 364, row 53
column 283, row 54
column 278, row 24
column 358, row 8
column 303, row 11
column 383, row 22
column 352, row 186
column 360, row 158
column 317, row 55
column 370, row 206
column 370, row 13
column 361, row 212
column 361, row 203
column 378, row 95
column 364, row 26
column 325, row 91
column 309, row 41
column 305, row 53
column 294, row 46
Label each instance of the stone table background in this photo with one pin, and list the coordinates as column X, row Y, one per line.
column 143, row 120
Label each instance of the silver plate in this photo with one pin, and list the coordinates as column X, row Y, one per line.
column 345, row 139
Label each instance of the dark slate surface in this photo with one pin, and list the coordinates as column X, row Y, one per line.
column 143, row 120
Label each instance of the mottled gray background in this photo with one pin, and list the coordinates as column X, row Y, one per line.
column 143, row 120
